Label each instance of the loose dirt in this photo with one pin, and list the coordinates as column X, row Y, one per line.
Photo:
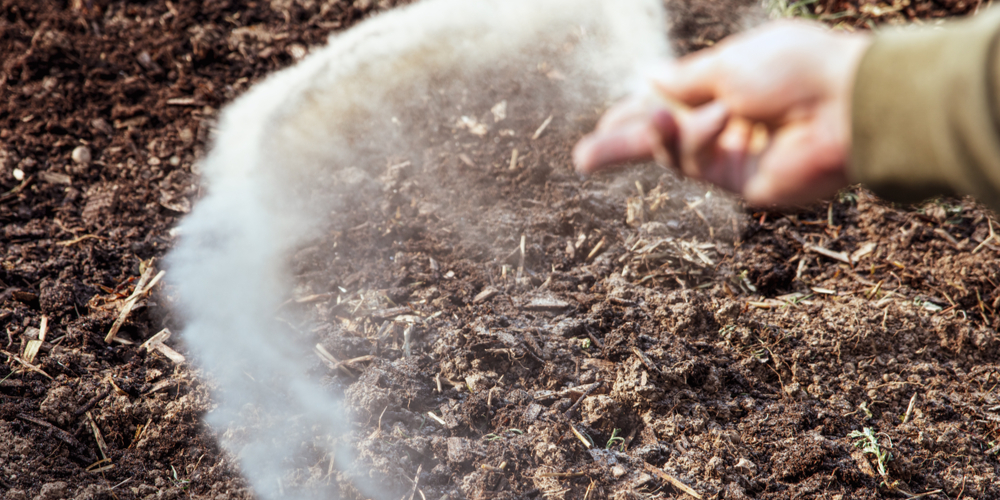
column 607, row 337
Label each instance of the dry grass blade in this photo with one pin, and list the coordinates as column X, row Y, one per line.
column 332, row 362
column 584, row 440
column 102, row 447
column 437, row 418
column 156, row 342
column 28, row 365
column 145, row 284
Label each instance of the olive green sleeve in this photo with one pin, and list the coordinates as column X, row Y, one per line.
column 925, row 112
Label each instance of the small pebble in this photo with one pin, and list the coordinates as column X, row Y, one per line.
column 81, row 155
column 18, row 174
column 175, row 161
column 297, row 51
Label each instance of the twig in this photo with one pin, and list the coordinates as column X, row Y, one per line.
column 593, row 387
column 79, row 239
column 538, row 133
column 91, row 403
column 909, row 409
column 596, row 248
column 672, row 480
column 559, row 475
column 59, row 433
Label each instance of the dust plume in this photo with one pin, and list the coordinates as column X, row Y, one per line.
column 310, row 141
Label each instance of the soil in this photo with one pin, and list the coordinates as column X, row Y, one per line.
column 608, row 337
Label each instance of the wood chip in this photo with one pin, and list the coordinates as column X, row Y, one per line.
column 547, row 303
column 865, row 249
column 841, row 256
column 487, row 294
column 56, row 178
column 951, row 239
column 389, row 313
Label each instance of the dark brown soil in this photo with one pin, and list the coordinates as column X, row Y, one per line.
column 713, row 345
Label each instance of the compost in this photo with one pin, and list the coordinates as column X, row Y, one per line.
column 629, row 336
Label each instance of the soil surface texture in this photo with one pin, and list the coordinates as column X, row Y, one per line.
column 630, row 336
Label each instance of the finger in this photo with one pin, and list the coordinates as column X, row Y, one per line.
column 691, row 80
column 699, row 133
column 735, row 159
column 801, row 165
column 638, row 140
column 633, row 108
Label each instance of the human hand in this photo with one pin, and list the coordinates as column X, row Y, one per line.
column 765, row 114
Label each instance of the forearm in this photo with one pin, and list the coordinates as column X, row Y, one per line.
column 925, row 112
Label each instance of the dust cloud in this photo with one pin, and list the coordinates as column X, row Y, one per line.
column 306, row 143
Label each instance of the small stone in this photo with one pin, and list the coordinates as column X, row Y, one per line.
column 618, row 471
column 154, row 161
column 175, row 161
column 297, row 51
column 18, row 174
column 81, row 155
